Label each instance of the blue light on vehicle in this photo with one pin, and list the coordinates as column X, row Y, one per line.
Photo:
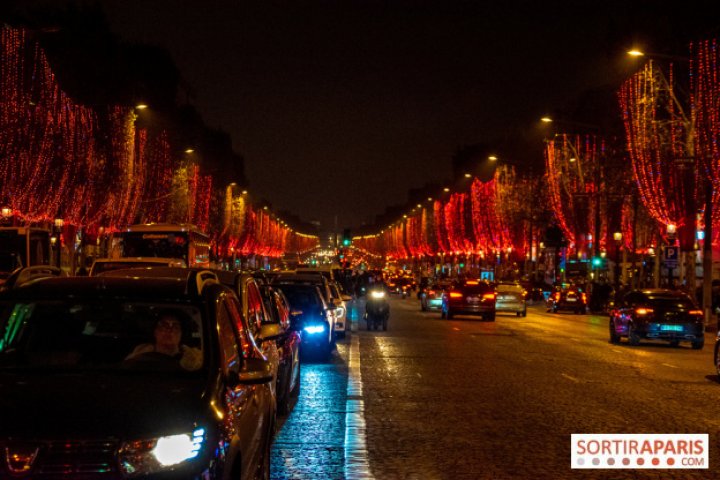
column 313, row 329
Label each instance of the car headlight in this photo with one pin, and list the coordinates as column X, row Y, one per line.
column 142, row 457
column 313, row 329
column 377, row 294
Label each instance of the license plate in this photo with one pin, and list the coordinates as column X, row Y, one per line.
column 473, row 299
column 671, row 328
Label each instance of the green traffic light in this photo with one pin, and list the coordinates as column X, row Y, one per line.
column 596, row 262
column 346, row 242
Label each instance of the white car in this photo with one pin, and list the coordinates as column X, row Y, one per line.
column 510, row 297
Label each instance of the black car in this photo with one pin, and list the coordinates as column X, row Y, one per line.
column 657, row 314
column 314, row 316
column 471, row 297
column 89, row 390
column 569, row 298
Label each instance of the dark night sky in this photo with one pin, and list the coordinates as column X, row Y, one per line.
column 341, row 106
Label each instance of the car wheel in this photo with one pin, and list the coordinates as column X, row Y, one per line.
column 698, row 344
column 674, row 343
column 614, row 337
column 489, row 317
column 633, row 337
column 524, row 313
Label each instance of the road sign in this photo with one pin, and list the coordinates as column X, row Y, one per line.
column 671, row 257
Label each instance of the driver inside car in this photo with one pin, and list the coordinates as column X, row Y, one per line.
column 168, row 334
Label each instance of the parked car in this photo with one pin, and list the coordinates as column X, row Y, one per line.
column 657, row 314
column 511, row 298
column 288, row 345
column 89, row 393
column 569, row 298
column 431, row 297
column 469, row 298
column 315, row 317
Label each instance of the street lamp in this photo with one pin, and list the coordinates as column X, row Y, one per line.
column 6, row 212
column 617, row 236
column 58, row 224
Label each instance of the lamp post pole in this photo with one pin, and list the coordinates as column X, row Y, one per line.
column 616, row 276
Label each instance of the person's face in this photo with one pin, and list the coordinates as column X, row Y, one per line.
column 168, row 331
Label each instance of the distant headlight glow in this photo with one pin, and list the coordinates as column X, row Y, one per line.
column 377, row 294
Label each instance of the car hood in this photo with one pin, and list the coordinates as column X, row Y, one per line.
column 123, row 406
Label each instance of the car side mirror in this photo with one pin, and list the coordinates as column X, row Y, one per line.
column 255, row 371
column 270, row 331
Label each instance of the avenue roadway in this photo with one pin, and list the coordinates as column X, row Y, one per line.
column 466, row 399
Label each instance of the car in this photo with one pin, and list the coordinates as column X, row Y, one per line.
column 314, row 316
column 288, row 345
column 28, row 274
column 657, row 314
column 471, row 297
column 570, row 298
column 400, row 286
column 341, row 307
column 431, row 297
column 511, row 298
column 102, row 265
column 86, row 396
column 319, row 280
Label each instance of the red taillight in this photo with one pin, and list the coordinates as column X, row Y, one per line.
column 489, row 296
column 643, row 311
column 455, row 295
column 431, row 292
column 584, row 297
column 557, row 297
column 695, row 312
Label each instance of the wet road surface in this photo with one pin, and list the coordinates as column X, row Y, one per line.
column 466, row 399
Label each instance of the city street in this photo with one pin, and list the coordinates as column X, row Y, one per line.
column 465, row 399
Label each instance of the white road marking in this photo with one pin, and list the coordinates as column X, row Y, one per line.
column 356, row 460
column 671, row 366
column 573, row 379
column 616, row 350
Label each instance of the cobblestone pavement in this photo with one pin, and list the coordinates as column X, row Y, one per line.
column 465, row 399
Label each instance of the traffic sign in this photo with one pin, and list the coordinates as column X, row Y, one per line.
column 671, row 257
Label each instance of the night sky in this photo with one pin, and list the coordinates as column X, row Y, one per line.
column 340, row 106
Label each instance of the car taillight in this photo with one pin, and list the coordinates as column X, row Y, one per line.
column 455, row 295
column 489, row 296
column 584, row 297
column 557, row 297
column 695, row 312
column 431, row 292
column 643, row 311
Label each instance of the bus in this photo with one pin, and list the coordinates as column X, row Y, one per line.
column 23, row 247
column 167, row 240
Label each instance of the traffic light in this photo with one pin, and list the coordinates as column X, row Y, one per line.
column 596, row 262
column 347, row 239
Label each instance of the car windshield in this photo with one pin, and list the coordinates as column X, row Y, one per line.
column 82, row 335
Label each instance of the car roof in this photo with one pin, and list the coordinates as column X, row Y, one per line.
column 153, row 289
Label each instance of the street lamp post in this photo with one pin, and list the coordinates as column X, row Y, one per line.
column 617, row 236
column 58, row 224
column 671, row 231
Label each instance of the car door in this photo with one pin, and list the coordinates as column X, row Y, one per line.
column 249, row 402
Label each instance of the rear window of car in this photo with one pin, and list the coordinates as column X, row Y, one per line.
column 101, row 267
column 302, row 297
column 671, row 302
column 479, row 288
